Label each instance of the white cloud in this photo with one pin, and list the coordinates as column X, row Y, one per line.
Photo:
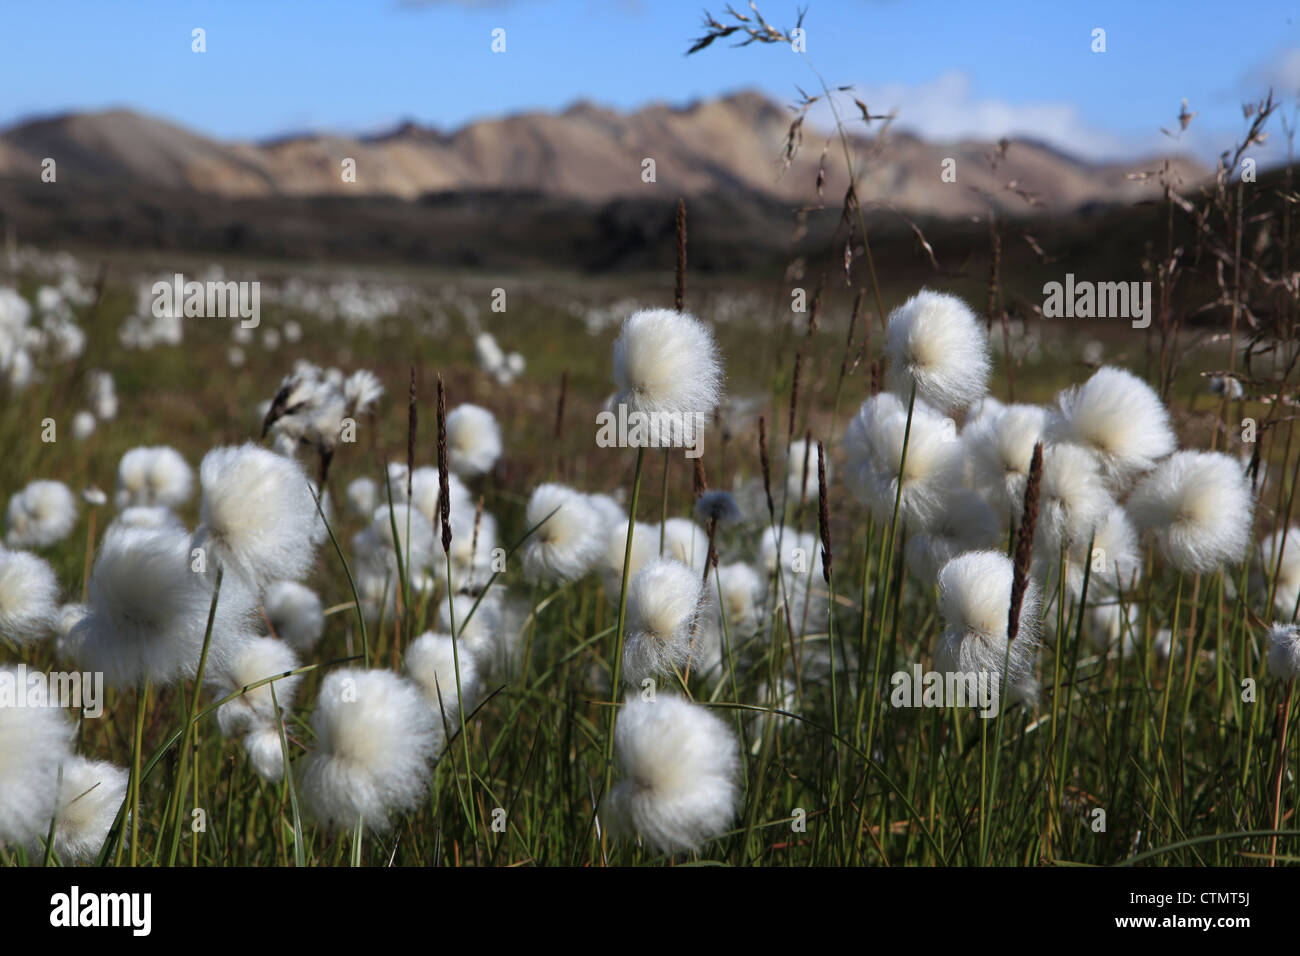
column 946, row 108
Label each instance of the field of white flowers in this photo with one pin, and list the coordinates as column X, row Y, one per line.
column 363, row 585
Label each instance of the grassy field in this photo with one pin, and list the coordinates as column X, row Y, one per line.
column 1182, row 769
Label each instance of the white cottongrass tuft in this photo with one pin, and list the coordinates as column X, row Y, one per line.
column 149, row 610
column 1198, row 506
column 934, row 341
column 664, row 603
column 363, row 496
column 1282, row 554
column 667, row 363
column 473, row 440
column 265, row 751
column 255, row 660
column 29, row 596
column 975, row 600
column 685, row 541
column 1073, row 501
column 968, row 523
column 874, row 448
column 740, row 591
column 569, row 541
column 376, row 555
column 801, row 474
column 295, row 613
column 42, row 514
column 83, row 425
column 679, row 763
column 257, row 517
column 1120, row 419
column 1000, row 445
column 147, row 516
column 375, row 741
column 154, row 476
column 1284, row 651
column 431, row 662
column 610, row 511
column 645, row 548
column 89, row 798
column 34, row 741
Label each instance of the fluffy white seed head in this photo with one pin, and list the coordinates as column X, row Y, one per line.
column 431, row 661
column 89, row 798
column 934, row 342
column 149, row 610
column 375, row 740
column 679, row 763
column 685, row 541
column 255, row 660
column 29, row 596
column 258, row 517
column 1284, row 651
column 933, row 466
column 1198, row 506
column 1073, row 501
column 645, row 548
column 295, row 613
column 664, row 603
column 265, row 751
column 975, row 600
column 569, row 541
column 1120, row 419
column 473, row 440
column 667, row 362
column 34, row 741
column 741, row 593
column 1000, row 445
column 363, row 496
column 610, row 511
column 154, row 476
column 42, row 514
column 968, row 523
column 1280, row 555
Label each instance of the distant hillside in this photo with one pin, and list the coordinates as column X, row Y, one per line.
column 587, row 153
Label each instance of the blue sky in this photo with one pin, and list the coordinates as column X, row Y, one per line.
column 953, row 68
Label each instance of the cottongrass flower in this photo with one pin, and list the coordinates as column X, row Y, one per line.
column 1280, row 553
column 1284, row 651
column 967, row 524
column 667, row 364
column 255, row 660
column 1000, row 445
column 67, row 618
column 29, row 596
column 154, row 476
column 1120, row 419
column 679, row 763
column 1198, row 506
column 934, row 341
column 149, row 610
column 740, row 598
column 265, row 751
column 375, row 551
column 1114, row 564
column 473, row 440
column 295, row 614
column 801, row 471
column 611, row 512
column 83, row 425
column 257, row 515
column 664, row 604
column 874, row 446
column 1114, row 625
column 685, row 541
column 362, row 495
column 493, row 637
column 431, row 662
column 42, row 514
column 375, row 740
column 34, row 741
column 1072, row 501
column 975, row 600
column 645, row 548
column 570, row 539
column 89, row 798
